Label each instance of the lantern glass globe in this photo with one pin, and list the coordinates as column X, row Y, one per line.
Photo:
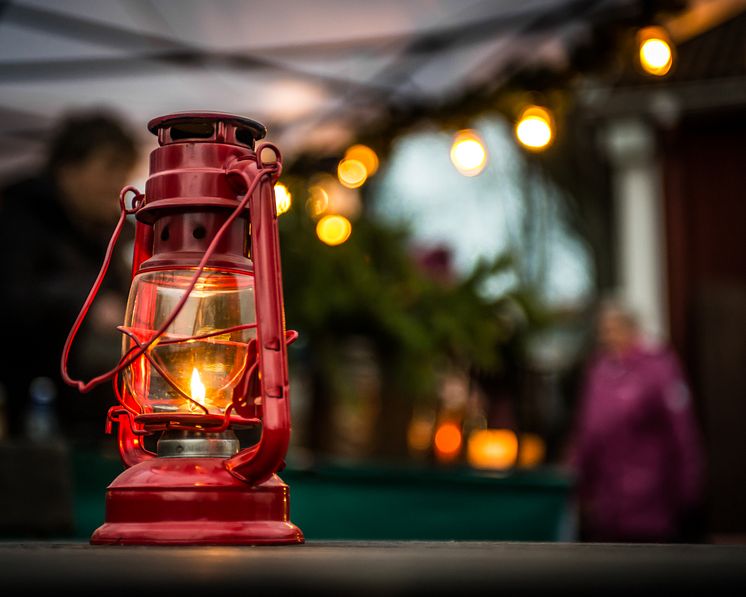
column 180, row 373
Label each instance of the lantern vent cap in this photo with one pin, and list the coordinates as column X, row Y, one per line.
column 203, row 126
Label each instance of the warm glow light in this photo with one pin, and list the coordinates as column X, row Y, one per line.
column 492, row 448
column 283, row 198
column 333, row 230
column 197, row 388
column 318, row 201
column 365, row 155
column 352, row 173
column 468, row 153
column 656, row 56
column 535, row 128
column 420, row 434
column 448, row 441
column 531, row 451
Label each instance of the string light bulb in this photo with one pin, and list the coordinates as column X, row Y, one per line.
column 333, row 229
column 365, row 155
column 655, row 51
column 468, row 153
column 352, row 173
column 535, row 128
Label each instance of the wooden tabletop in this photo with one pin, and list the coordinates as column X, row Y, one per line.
column 377, row 568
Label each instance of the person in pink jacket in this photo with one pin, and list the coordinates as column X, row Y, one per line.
column 637, row 450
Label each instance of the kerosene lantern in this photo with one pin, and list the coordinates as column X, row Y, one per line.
column 204, row 344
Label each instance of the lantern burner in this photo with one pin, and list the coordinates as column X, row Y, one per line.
column 197, row 444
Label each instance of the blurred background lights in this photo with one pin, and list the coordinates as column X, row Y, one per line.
column 365, row 155
column 352, row 173
column 656, row 53
column 318, row 201
column 468, row 153
column 531, row 450
column 283, row 198
column 447, row 441
column 420, row 434
column 535, row 128
column 492, row 448
column 333, row 229
column 326, row 195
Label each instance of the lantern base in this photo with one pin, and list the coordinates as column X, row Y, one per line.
column 194, row 501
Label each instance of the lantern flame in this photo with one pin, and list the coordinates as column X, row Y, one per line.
column 197, row 387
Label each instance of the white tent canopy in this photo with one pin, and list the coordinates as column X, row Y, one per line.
column 311, row 71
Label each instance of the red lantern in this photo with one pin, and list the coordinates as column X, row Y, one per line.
column 204, row 344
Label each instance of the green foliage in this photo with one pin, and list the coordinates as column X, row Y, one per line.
column 371, row 287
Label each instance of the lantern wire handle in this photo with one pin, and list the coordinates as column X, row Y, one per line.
column 272, row 170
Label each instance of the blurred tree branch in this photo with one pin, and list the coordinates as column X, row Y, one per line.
column 372, row 287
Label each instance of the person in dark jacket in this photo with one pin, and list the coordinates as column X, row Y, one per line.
column 54, row 228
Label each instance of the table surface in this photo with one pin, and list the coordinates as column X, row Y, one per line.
column 390, row 568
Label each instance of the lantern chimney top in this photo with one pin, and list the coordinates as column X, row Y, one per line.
column 207, row 127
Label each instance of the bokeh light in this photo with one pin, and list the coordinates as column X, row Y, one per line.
column 447, row 441
column 655, row 51
column 420, row 434
column 326, row 195
column 531, row 450
column 333, row 229
column 468, row 153
column 283, row 198
column 318, row 201
column 492, row 448
column 535, row 128
column 365, row 155
column 352, row 173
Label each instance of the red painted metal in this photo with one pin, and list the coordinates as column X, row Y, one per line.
column 193, row 501
column 258, row 463
column 208, row 195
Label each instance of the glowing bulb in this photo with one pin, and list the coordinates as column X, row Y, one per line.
column 352, row 173
column 656, row 56
column 534, row 129
column 448, row 441
column 333, row 230
column 197, row 388
column 365, row 155
column 492, row 448
column 468, row 153
column 283, row 198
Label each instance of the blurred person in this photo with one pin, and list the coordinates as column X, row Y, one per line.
column 636, row 450
column 54, row 229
